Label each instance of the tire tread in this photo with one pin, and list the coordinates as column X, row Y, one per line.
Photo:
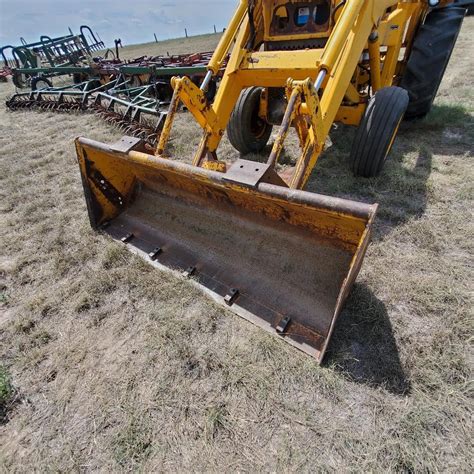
column 238, row 128
column 372, row 139
column 429, row 58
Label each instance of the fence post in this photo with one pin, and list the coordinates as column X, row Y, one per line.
column 186, row 32
column 156, row 39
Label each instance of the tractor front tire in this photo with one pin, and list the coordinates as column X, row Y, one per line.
column 247, row 131
column 429, row 57
column 377, row 131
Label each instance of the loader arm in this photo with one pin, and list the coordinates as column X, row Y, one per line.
column 329, row 71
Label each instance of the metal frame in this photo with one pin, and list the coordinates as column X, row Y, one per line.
column 138, row 110
column 323, row 85
column 51, row 57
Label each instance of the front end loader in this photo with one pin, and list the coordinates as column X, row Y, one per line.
column 245, row 231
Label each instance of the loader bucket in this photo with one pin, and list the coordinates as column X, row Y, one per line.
column 281, row 258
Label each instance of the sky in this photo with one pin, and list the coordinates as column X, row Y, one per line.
column 133, row 21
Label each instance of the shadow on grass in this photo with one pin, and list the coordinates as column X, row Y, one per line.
column 402, row 188
column 363, row 347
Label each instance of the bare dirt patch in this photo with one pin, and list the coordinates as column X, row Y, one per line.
column 120, row 366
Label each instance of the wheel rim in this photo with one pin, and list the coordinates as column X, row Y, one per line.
column 41, row 85
column 258, row 126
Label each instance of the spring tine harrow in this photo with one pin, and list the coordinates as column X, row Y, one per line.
column 113, row 94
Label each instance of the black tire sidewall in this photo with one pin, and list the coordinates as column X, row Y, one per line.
column 376, row 131
column 423, row 77
column 239, row 129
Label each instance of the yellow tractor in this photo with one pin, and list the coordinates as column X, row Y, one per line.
column 245, row 231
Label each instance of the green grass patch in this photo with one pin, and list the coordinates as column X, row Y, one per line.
column 6, row 391
column 445, row 115
column 133, row 444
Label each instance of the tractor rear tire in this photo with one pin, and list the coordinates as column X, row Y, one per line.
column 429, row 57
column 247, row 132
column 377, row 131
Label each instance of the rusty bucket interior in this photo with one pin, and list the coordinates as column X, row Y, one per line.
column 283, row 259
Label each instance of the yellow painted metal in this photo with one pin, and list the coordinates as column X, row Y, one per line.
column 294, row 92
column 220, row 166
column 123, row 170
column 340, row 33
column 165, row 134
column 259, row 62
column 347, row 39
column 228, row 37
column 352, row 94
column 195, row 99
column 350, row 115
column 393, row 40
column 375, row 28
column 374, row 57
column 315, row 141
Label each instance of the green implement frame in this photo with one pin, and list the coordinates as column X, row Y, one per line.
column 51, row 57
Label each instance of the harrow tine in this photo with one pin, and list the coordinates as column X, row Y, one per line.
column 124, row 109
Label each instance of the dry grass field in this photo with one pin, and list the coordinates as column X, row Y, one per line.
column 107, row 364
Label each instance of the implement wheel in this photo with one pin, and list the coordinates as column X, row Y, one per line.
column 247, row 132
column 20, row 80
column 39, row 82
column 79, row 78
column 377, row 131
column 432, row 48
